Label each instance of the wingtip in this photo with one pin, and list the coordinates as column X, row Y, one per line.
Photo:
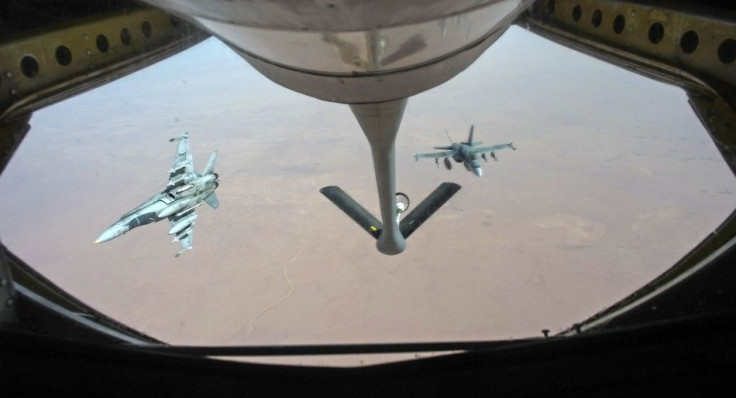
column 184, row 134
column 182, row 251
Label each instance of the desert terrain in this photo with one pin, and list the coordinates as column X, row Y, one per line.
column 614, row 180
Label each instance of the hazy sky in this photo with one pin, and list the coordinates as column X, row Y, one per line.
column 613, row 181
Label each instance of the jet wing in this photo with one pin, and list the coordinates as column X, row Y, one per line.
column 443, row 154
column 494, row 148
column 183, row 163
column 212, row 201
column 182, row 227
column 186, row 242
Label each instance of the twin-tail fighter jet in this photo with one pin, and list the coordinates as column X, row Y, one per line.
column 465, row 152
column 185, row 191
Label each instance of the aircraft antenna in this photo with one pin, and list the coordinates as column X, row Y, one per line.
column 448, row 136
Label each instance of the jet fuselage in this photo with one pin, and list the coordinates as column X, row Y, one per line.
column 174, row 200
column 464, row 153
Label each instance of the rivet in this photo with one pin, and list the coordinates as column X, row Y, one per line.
column 3, row 281
column 9, row 302
column 13, row 92
column 85, row 36
column 89, row 52
column 9, row 75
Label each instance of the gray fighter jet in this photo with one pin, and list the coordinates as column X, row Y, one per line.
column 185, row 191
column 465, row 152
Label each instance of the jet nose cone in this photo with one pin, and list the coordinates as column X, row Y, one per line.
column 107, row 235
column 478, row 171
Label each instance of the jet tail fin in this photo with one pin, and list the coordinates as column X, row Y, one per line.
column 353, row 209
column 470, row 136
column 408, row 225
column 429, row 206
column 212, row 201
column 210, row 168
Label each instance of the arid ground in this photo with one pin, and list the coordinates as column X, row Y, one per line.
column 613, row 181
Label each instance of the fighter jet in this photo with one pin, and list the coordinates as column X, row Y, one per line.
column 185, row 191
column 465, row 152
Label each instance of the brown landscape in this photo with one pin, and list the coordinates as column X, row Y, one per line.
column 614, row 180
